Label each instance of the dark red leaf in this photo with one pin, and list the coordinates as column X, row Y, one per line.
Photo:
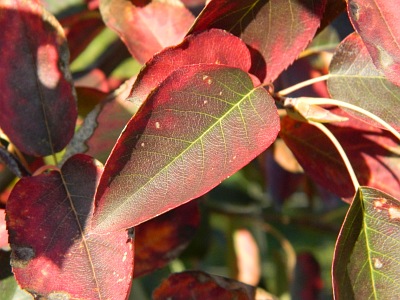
column 147, row 28
column 378, row 24
column 373, row 154
column 200, row 285
column 202, row 124
column 276, row 31
column 102, row 126
column 162, row 239
column 38, row 109
column 332, row 10
column 210, row 47
column 53, row 252
column 81, row 28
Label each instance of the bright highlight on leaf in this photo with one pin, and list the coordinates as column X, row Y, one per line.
column 202, row 124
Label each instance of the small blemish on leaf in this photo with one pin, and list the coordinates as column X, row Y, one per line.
column 59, row 296
column 394, row 213
column 142, row 144
column 354, row 10
column 205, row 102
column 207, row 79
column 124, row 258
column 377, row 263
column 378, row 204
column 158, row 125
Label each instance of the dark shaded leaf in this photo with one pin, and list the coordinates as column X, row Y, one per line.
column 102, row 126
column 378, row 24
column 210, row 47
column 12, row 163
column 333, row 9
column 355, row 79
column 212, row 121
column 53, row 252
column 38, row 109
column 373, row 153
column 276, row 31
column 147, row 28
column 162, row 239
column 200, row 285
column 366, row 261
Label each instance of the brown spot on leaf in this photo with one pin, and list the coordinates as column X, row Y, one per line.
column 354, row 10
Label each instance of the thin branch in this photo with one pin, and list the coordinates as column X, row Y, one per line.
column 341, row 151
column 302, row 84
column 327, row 101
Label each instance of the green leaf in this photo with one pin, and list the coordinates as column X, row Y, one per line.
column 201, row 125
column 367, row 259
column 355, row 79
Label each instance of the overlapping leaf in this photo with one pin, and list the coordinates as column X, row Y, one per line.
column 200, row 285
column 209, row 47
column 162, row 239
column 378, row 24
column 355, row 79
column 373, row 153
column 276, row 31
column 202, row 124
column 38, row 109
column 367, row 261
column 147, row 27
column 53, row 252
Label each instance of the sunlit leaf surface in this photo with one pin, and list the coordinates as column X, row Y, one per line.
column 54, row 255
column 355, row 79
column 378, row 24
column 202, row 124
column 38, row 109
column 367, row 261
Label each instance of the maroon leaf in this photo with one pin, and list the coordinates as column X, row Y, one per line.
column 211, row 120
column 81, row 28
column 54, row 254
column 102, row 126
column 210, row 47
column 276, row 31
column 372, row 153
column 162, row 239
column 354, row 79
column 333, row 9
column 200, row 285
column 38, row 109
column 147, row 28
column 379, row 26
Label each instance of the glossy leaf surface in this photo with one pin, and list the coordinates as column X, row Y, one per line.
column 378, row 24
column 54, row 253
column 366, row 262
column 276, row 31
column 38, row 109
column 147, row 28
column 202, row 124
column 200, row 285
column 373, row 154
column 209, row 47
column 355, row 79
column 162, row 239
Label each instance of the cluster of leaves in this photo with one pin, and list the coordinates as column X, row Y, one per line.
column 201, row 108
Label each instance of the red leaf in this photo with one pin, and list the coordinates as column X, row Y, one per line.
column 210, row 47
column 200, row 285
column 372, row 153
column 162, row 239
column 54, row 253
column 378, row 24
column 202, row 124
column 81, row 28
column 276, row 31
column 38, row 109
column 147, row 29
